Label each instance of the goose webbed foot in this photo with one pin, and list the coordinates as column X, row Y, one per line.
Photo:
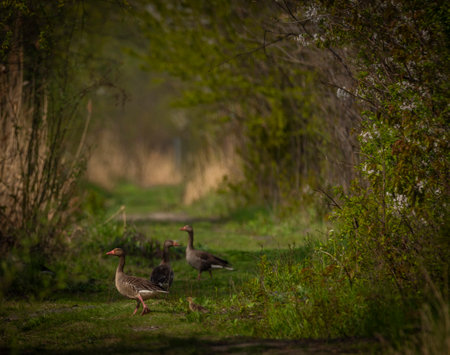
column 145, row 310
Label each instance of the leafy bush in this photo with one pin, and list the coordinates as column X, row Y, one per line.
column 393, row 220
column 385, row 66
column 315, row 299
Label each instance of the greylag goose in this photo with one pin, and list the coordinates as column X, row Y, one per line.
column 162, row 275
column 196, row 307
column 201, row 260
column 136, row 288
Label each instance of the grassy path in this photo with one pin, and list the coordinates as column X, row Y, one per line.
column 94, row 327
column 90, row 316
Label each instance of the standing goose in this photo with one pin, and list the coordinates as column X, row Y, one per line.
column 162, row 275
column 136, row 288
column 201, row 260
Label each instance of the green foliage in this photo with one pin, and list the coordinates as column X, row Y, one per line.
column 434, row 331
column 67, row 316
column 236, row 86
column 394, row 219
column 43, row 72
column 391, row 66
column 314, row 298
column 393, row 223
column 389, row 61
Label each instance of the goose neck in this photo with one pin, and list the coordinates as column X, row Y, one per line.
column 165, row 256
column 191, row 240
column 121, row 264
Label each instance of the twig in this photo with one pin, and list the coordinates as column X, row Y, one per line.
column 329, row 197
column 340, row 263
column 83, row 136
column 120, row 210
column 254, row 50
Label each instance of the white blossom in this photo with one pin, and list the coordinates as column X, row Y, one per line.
column 342, row 94
column 375, row 131
column 420, row 186
column 400, row 202
column 365, row 136
column 301, row 39
column 408, row 106
column 366, row 170
column 311, row 11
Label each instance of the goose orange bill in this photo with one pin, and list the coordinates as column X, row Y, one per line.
column 110, row 252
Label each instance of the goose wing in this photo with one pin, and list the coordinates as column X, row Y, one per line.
column 213, row 261
column 162, row 275
column 131, row 286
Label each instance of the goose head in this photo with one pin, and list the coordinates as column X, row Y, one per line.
column 187, row 228
column 171, row 243
column 116, row 252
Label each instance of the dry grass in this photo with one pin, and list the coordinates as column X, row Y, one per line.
column 109, row 163
column 36, row 177
column 38, row 172
column 433, row 337
column 208, row 171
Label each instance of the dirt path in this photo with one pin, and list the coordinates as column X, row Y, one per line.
column 304, row 346
column 168, row 217
column 239, row 345
column 162, row 343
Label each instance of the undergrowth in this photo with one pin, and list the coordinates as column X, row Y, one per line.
column 313, row 298
column 291, row 280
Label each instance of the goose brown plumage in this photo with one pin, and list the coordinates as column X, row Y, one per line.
column 202, row 260
column 162, row 275
column 133, row 287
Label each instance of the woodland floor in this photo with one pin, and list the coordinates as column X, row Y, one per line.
column 84, row 321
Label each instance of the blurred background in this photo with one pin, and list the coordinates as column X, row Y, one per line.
column 138, row 132
column 181, row 102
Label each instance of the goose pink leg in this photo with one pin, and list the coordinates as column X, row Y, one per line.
column 138, row 303
column 145, row 310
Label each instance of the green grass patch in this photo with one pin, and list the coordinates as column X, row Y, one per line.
column 82, row 311
column 139, row 200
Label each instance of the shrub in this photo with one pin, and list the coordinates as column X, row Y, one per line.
column 316, row 299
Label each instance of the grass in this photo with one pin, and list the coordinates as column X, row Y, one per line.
column 77, row 325
column 137, row 200
column 89, row 315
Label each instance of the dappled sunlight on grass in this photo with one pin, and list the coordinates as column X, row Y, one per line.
column 89, row 314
